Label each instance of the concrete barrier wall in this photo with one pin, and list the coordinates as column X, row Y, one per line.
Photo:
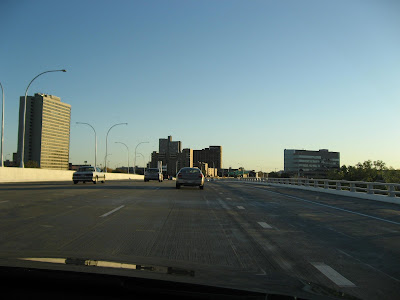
column 34, row 174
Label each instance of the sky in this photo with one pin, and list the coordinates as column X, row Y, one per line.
column 255, row 77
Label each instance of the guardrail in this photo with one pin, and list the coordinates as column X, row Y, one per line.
column 371, row 188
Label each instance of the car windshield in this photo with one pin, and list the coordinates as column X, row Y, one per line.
column 189, row 171
column 244, row 144
column 86, row 169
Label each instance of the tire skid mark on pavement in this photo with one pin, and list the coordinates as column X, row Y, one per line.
column 265, row 245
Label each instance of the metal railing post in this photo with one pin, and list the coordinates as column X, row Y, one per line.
column 370, row 188
column 391, row 191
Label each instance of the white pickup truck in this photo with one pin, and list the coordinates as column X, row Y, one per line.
column 88, row 173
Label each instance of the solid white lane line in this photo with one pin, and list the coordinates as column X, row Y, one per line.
column 368, row 265
column 112, row 211
column 334, row 276
column 228, row 198
column 240, row 207
column 4, row 201
column 330, row 206
column 264, row 225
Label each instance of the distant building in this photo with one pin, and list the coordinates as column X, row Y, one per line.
column 212, row 156
column 47, row 131
column 173, row 158
column 167, row 146
column 171, row 155
column 308, row 163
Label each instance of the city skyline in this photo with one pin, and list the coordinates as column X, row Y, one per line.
column 255, row 78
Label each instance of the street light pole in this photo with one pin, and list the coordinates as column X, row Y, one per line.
column 126, row 149
column 24, row 114
column 2, row 124
column 105, row 163
column 95, row 142
column 144, row 162
column 134, row 164
column 105, row 158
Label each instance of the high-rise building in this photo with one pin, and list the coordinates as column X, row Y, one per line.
column 47, row 131
column 212, row 156
column 310, row 163
column 173, row 158
column 171, row 155
column 168, row 146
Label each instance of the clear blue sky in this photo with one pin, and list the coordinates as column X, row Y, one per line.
column 255, row 77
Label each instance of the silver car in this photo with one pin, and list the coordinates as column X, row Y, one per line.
column 190, row 177
column 153, row 174
column 88, row 174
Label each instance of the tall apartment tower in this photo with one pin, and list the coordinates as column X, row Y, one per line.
column 212, row 156
column 168, row 146
column 47, row 131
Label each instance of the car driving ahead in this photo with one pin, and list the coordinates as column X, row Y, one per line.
column 190, row 177
column 89, row 174
column 153, row 174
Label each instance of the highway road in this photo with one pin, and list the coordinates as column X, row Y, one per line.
column 231, row 233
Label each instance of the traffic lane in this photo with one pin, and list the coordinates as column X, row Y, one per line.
column 170, row 224
column 377, row 209
column 188, row 227
column 39, row 223
column 306, row 234
column 382, row 229
column 137, row 229
column 380, row 234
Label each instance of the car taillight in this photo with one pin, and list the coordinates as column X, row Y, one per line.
column 201, row 175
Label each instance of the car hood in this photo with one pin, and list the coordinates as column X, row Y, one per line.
column 231, row 278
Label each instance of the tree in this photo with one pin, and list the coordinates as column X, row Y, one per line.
column 391, row 175
column 367, row 171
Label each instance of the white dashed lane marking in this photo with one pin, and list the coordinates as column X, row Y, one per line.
column 240, row 207
column 264, row 225
column 112, row 211
column 334, row 276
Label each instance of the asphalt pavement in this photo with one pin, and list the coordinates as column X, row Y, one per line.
column 345, row 244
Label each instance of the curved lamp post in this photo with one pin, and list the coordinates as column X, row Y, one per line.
column 144, row 162
column 127, row 150
column 95, row 142
column 134, row 171
column 24, row 113
column 105, row 163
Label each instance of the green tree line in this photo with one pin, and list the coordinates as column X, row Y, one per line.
column 371, row 171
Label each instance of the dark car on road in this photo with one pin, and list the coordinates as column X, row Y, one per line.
column 190, row 177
